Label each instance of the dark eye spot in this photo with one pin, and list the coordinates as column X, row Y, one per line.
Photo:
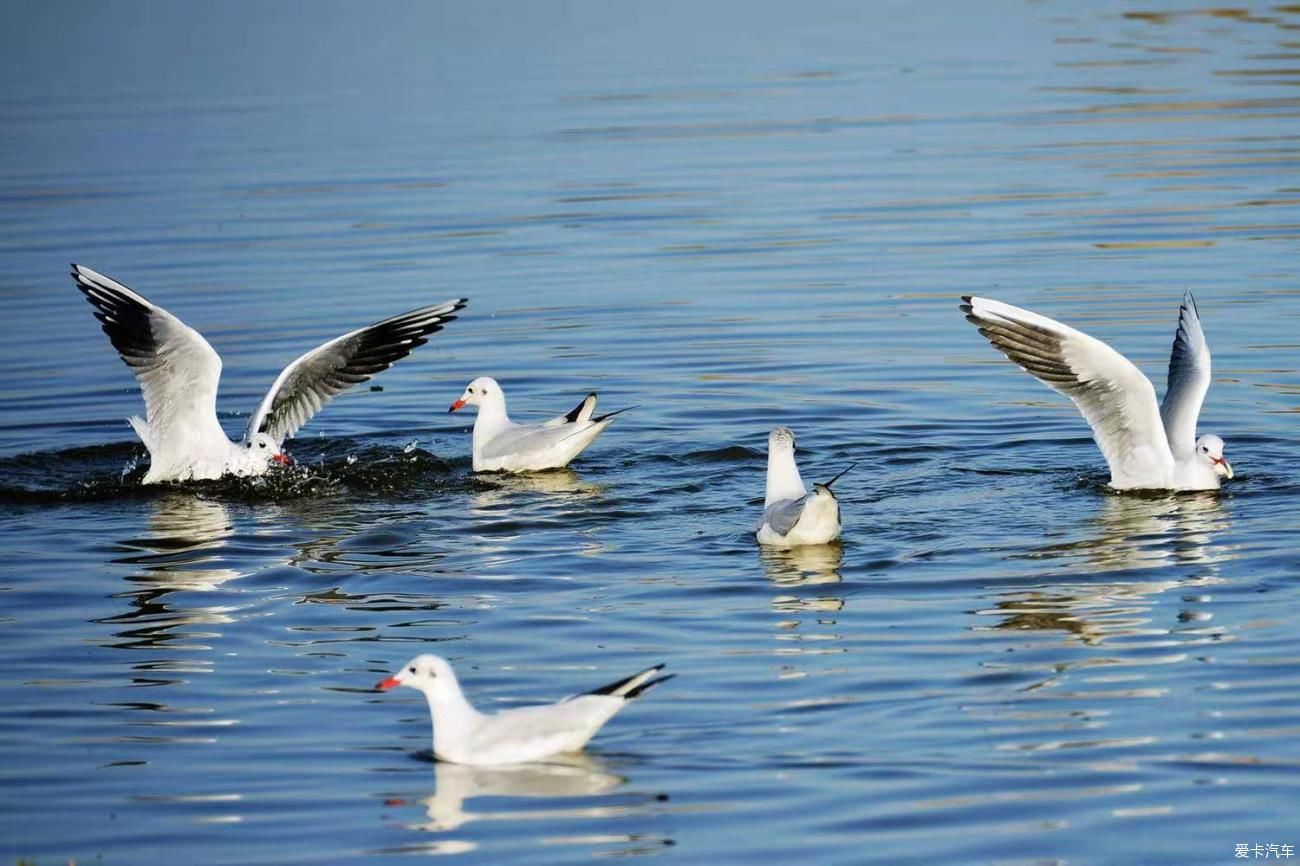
column 261, row 444
column 411, row 669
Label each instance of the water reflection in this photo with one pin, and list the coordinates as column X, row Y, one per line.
column 1136, row 532
column 501, row 490
column 181, row 551
column 806, row 622
column 579, row 776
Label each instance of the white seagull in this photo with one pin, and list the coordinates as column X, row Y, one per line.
column 1147, row 445
column 178, row 373
column 463, row 735
column 502, row 445
column 792, row 518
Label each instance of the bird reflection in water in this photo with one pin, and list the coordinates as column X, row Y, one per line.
column 807, row 619
column 1130, row 534
column 575, row 776
column 180, row 552
column 500, row 491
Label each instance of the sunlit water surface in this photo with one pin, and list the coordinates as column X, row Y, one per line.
column 732, row 216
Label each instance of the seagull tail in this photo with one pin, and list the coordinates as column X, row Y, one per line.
column 141, row 428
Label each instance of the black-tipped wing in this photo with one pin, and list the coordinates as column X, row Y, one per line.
column 581, row 412
column 625, row 688
column 1118, row 402
column 313, row 380
column 1189, row 379
column 178, row 371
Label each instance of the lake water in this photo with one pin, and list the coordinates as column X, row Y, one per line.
column 733, row 216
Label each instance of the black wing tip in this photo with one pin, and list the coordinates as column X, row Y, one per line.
column 609, row 415
column 613, row 688
column 571, row 417
column 647, row 686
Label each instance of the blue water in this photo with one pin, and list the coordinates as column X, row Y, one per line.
column 732, row 215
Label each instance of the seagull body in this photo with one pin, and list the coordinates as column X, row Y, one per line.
column 1147, row 445
column 792, row 517
column 178, row 372
column 501, row 445
column 463, row 735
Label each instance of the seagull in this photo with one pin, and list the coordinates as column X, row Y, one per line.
column 502, row 445
column 463, row 735
column 1147, row 446
column 179, row 371
column 791, row 517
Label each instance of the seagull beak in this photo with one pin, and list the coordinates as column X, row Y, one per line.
column 282, row 459
column 386, row 684
column 454, row 406
column 1226, row 470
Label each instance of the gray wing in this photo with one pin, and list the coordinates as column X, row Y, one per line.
column 1118, row 402
column 782, row 516
column 313, row 380
column 1189, row 379
column 177, row 369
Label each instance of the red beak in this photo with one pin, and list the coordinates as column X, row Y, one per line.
column 454, row 406
column 385, row 685
column 1218, row 461
column 282, row 459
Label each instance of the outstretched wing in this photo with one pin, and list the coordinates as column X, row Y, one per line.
column 178, row 371
column 310, row 382
column 1118, row 402
column 1189, row 379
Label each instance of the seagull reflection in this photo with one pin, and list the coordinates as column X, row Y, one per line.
column 500, row 489
column 181, row 551
column 1135, row 532
column 801, row 566
column 1129, row 534
column 579, row 775
column 182, row 545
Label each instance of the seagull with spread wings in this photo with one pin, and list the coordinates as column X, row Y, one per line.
column 1148, row 446
column 178, row 373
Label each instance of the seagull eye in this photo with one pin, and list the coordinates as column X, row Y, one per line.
column 261, row 444
column 411, row 669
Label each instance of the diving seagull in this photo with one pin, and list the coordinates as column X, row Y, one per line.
column 792, row 517
column 178, row 373
column 1147, row 446
column 500, row 444
column 463, row 735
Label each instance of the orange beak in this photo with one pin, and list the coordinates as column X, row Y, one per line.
column 386, row 684
column 454, row 406
column 282, row 459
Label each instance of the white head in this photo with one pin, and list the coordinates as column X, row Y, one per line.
column 781, row 439
column 1210, row 449
column 482, row 391
column 263, row 449
column 427, row 673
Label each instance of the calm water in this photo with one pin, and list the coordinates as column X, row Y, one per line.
column 734, row 216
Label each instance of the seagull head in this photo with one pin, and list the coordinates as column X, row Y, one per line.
column 427, row 673
column 480, row 391
column 781, row 439
column 264, row 449
column 1210, row 448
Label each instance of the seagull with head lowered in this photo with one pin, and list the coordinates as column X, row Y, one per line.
column 178, row 373
column 1148, row 446
column 501, row 445
column 463, row 735
column 792, row 517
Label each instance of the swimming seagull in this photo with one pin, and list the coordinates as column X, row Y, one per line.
column 792, row 518
column 179, row 371
column 1147, row 446
column 500, row 444
column 463, row 735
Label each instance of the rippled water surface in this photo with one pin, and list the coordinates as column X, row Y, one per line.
column 731, row 216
